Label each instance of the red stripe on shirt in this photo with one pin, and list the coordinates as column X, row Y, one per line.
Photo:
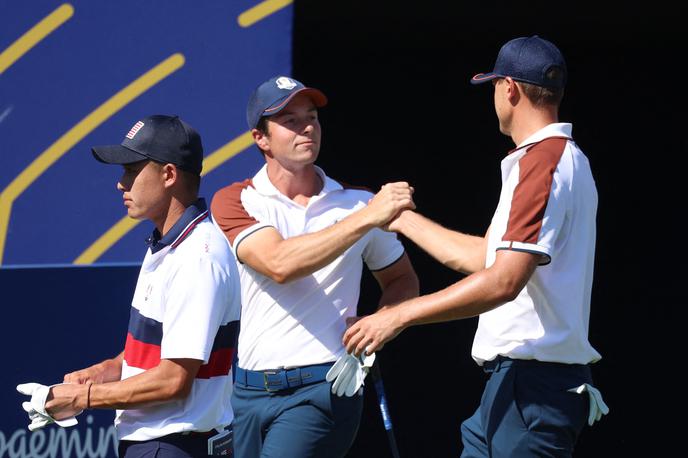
column 189, row 228
column 141, row 355
column 219, row 364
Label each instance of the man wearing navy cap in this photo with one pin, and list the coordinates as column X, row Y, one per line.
column 172, row 384
column 301, row 239
column 529, row 278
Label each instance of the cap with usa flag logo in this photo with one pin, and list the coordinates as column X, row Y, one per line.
column 161, row 138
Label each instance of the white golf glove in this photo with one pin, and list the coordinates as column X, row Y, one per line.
column 36, row 407
column 597, row 405
column 349, row 372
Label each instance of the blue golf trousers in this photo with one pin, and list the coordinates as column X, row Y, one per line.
column 526, row 410
column 302, row 422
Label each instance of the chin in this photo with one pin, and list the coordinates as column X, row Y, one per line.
column 314, row 152
column 133, row 214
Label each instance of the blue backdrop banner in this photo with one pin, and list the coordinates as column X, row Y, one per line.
column 60, row 319
column 78, row 74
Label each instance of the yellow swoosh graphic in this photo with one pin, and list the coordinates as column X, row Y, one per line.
column 260, row 11
column 35, row 35
column 226, row 152
column 77, row 133
column 120, row 229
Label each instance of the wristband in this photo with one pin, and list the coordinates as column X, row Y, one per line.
column 88, row 396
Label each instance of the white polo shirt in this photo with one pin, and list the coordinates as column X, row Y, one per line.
column 547, row 206
column 186, row 305
column 301, row 322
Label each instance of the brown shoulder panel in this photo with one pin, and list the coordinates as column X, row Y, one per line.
column 229, row 212
column 536, row 171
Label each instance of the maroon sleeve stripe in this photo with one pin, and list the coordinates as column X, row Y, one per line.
column 228, row 211
column 529, row 201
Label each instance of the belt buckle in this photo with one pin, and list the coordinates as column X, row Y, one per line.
column 266, row 381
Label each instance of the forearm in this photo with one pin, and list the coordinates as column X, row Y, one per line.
column 475, row 294
column 284, row 260
column 467, row 298
column 302, row 255
column 169, row 380
column 460, row 252
column 134, row 392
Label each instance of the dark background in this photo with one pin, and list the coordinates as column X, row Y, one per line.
column 401, row 108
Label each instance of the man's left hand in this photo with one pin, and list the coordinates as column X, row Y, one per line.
column 46, row 406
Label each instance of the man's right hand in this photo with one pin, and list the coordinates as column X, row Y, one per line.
column 88, row 375
column 390, row 201
column 109, row 370
column 397, row 223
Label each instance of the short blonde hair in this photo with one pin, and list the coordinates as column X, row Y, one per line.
column 541, row 95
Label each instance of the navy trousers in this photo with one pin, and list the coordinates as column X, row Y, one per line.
column 172, row 446
column 302, row 422
column 526, row 411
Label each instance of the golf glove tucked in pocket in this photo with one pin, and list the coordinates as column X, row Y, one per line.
column 597, row 405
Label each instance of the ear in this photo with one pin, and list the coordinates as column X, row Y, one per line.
column 513, row 90
column 170, row 174
column 261, row 139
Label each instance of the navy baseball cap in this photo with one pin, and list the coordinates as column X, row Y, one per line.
column 528, row 59
column 274, row 94
column 162, row 138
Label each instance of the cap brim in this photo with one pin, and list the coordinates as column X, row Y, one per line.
column 484, row 77
column 116, row 154
column 318, row 98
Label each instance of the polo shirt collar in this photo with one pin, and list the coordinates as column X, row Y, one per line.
column 263, row 185
column 557, row 129
column 194, row 214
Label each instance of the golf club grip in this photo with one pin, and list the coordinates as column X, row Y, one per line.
column 384, row 410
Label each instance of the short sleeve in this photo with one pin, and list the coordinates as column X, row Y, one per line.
column 382, row 250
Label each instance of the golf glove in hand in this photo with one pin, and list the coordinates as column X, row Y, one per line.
column 349, row 372
column 597, row 405
column 36, row 407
